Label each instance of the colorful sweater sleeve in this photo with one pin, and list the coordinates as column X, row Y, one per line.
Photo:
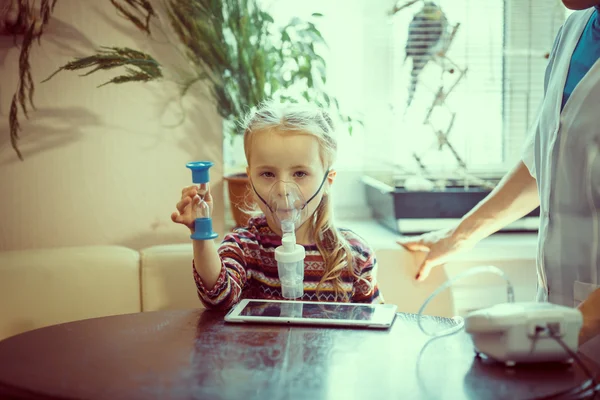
column 366, row 289
column 231, row 281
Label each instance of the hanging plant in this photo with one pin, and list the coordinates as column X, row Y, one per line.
column 232, row 45
column 139, row 66
column 23, row 18
column 26, row 20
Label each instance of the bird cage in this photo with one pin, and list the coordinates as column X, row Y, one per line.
column 467, row 82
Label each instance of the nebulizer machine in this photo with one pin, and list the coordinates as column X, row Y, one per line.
column 516, row 332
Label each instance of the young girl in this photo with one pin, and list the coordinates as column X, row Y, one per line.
column 283, row 143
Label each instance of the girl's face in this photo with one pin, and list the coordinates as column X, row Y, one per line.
column 277, row 156
column 580, row 4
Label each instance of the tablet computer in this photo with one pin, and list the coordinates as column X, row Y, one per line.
column 313, row 313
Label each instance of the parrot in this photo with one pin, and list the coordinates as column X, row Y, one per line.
column 425, row 33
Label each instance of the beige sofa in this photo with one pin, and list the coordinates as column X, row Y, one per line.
column 49, row 286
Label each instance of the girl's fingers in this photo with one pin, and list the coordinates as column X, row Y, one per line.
column 188, row 189
column 191, row 206
column 190, row 198
column 180, row 219
column 183, row 204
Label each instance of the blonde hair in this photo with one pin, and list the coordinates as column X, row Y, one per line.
column 307, row 119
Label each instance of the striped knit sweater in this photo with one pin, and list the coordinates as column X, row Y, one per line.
column 249, row 270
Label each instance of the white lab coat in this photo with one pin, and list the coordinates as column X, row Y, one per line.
column 562, row 153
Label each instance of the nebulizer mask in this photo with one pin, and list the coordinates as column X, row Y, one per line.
column 288, row 209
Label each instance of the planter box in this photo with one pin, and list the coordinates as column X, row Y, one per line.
column 416, row 212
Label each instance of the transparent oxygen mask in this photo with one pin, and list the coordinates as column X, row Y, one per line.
column 288, row 207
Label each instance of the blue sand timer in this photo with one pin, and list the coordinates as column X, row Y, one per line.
column 203, row 223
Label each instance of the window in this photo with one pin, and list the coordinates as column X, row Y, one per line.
column 503, row 44
column 476, row 100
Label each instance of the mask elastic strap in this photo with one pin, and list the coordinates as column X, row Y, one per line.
column 318, row 190
column 260, row 197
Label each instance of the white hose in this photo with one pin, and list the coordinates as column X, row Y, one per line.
column 460, row 321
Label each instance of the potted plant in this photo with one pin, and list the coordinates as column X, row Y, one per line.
column 237, row 49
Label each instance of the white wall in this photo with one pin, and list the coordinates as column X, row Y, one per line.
column 101, row 166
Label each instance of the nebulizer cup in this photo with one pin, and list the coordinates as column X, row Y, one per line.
column 290, row 267
column 287, row 206
column 203, row 228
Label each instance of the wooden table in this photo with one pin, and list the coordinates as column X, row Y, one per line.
column 195, row 355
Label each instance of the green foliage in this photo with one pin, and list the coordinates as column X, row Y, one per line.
column 236, row 47
column 238, row 42
column 139, row 67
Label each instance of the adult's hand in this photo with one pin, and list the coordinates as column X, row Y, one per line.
column 439, row 245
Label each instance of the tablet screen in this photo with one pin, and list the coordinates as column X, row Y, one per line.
column 308, row 310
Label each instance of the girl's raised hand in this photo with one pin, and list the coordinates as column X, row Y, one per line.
column 188, row 204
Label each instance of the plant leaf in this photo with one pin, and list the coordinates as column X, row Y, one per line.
column 142, row 7
column 139, row 66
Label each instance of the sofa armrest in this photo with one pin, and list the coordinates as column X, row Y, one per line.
column 41, row 287
column 166, row 277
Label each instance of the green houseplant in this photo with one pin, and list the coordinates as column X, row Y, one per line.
column 236, row 48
